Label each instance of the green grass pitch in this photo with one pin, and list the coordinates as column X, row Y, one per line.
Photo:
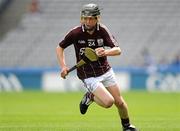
column 40, row 111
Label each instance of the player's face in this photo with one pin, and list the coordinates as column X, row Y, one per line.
column 90, row 22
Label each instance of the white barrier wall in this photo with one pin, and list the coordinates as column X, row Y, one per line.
column 50, row 80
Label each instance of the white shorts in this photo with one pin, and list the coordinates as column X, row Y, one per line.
column 107, row 79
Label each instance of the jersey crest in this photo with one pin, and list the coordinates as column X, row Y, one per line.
column 100, row 42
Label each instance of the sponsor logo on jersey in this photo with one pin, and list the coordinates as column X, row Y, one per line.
column 81, row 41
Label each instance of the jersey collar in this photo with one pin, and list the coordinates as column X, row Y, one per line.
column 97, row 27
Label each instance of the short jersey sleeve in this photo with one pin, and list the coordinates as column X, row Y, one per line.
column 68, row 40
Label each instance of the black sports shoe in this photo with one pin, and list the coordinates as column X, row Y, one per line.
column 85, row 102
column 130, row 128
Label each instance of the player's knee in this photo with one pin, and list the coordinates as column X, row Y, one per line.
column 120, row 104
column 109, row 103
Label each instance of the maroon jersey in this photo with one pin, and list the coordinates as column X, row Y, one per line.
column 81, row 39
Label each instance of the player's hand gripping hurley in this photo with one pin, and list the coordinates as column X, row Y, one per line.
column 89, row 56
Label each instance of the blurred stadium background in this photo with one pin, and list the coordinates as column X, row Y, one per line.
column 147, row 30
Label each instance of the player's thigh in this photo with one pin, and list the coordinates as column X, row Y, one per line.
column 95, row 86
column 103, row 95
column 114, row 90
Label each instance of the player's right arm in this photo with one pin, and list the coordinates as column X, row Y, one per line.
column 61, row 60
column 67, row 41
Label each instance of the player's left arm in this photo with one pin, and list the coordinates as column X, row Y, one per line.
column 108, row 52
column 113, row 51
